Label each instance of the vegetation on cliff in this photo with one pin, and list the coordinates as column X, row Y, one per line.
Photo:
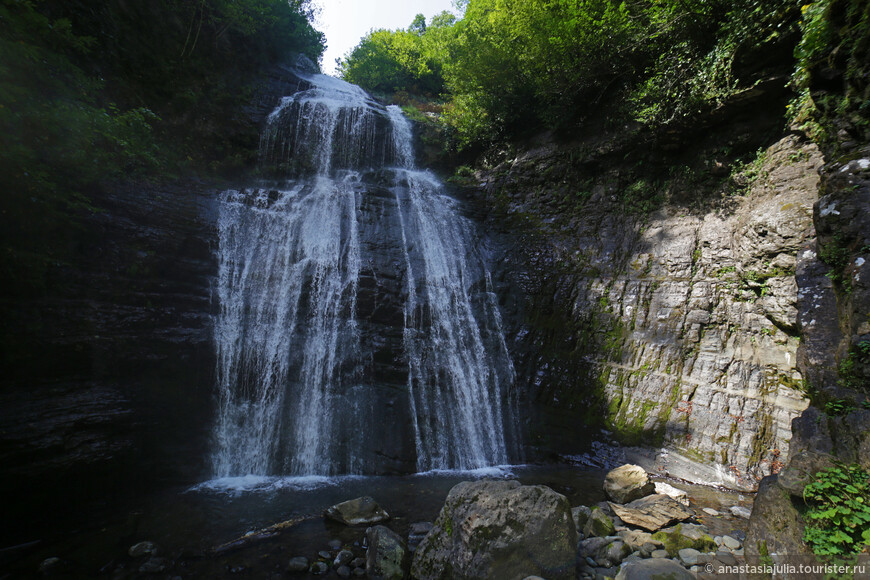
column 510, row 67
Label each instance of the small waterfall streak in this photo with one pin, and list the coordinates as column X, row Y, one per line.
column 455, row 381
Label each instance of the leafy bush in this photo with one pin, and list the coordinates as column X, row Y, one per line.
column 838, row 518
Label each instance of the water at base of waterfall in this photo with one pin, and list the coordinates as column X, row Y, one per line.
column 358, row 331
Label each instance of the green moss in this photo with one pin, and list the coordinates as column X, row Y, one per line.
column 674, row 541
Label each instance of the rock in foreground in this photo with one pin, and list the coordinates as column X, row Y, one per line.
column 499, row 529
column 652, row 512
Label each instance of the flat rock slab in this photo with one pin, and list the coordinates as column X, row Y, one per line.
column 652, row 512
column 355, row 512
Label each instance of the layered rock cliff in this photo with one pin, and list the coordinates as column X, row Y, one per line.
column 670, row 308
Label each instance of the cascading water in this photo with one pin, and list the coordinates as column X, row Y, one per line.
column 358, row 331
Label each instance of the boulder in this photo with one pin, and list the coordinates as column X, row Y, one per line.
column 656, row 568
column 689, row 556
column 612, row 554
column 355, row 512
column 590, row 547
column 635, row 539
column 685, row 536
column 386, row 557
column 499, row 529
column 598, row 525
column 776, row 528
column 652, row 512
column 627, row 483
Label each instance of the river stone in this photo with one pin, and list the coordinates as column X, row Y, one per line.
column 689, row 556
column 153, row 565
column 654, row 569
column 143, row 549
column 672, row 492
column 652, row 512
column 342, row 558
column 710, row 512
column 659, row 554
column 297, row 564
column 627, row 483
column 730, row 543
column 386, row 557
column 51, row 566
column 635, row 539
column 319, row 568
column 589, row 547
column 355, row 512
column 613, row 553
column 499, row 529
column 598, row 524
column 344, row 571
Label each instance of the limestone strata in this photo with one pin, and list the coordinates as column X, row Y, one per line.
column 685, row 321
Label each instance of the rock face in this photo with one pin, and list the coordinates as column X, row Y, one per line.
column 682, row 324
column 627, row 483
column 355, row 512
column 499, row 529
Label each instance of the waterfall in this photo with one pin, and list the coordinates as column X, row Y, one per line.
column 357, row 329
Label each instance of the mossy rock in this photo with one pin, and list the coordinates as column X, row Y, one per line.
column 685, row 536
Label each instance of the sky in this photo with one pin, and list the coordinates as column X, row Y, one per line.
column 346, row 21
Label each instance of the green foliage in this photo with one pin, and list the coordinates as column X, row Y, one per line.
column 839, row 407
column 838, row 518
column 403, row 60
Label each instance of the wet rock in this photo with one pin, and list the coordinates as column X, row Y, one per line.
column 652, row 512
column 324, row 554
column 143, row 549
column 387, row 554
column 358, row 563
column 355, row 512
column 298, row 564
column 627, row 483
column 416, row 534
column 655, row 569
column 499, row 529
column 343, row 571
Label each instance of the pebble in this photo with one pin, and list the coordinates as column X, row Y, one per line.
column 718, row 540
column 659, row 554
column 730, row 543
column 343, row 571
column 325, row 555
column 710, row 512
